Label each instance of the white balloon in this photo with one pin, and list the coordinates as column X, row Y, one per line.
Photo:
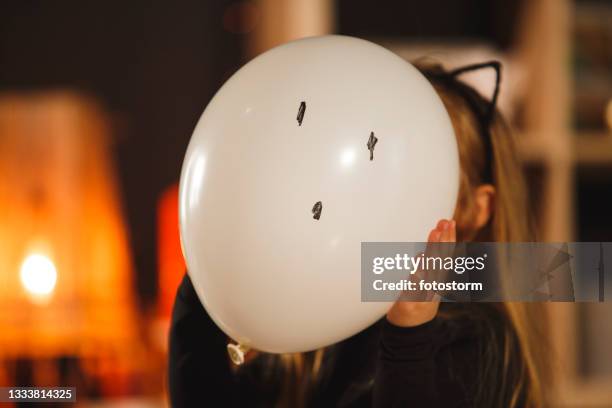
column 269, row 274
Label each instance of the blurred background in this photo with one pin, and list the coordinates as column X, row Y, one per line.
column 97, row 104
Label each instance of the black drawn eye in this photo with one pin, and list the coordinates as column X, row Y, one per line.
column 371, row 143
column 372, row 140
column 316, row 210
column 301, row 111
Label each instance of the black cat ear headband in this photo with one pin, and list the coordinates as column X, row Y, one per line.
column 483, row 110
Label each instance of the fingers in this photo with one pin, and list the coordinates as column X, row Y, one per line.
column 445, row 231
column 434, row 235
column 448, row 232
column 438, row 234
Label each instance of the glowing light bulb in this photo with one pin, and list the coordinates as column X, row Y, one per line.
column 38, row 275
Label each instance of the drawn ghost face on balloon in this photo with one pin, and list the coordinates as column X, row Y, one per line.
column 274, row 205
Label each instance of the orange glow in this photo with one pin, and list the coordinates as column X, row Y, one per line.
column 68, row 282
column 171, row 262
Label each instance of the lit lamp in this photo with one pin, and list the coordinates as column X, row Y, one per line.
column 171, row 265
column 170, row 256
column 65, row 269
column 38, row 275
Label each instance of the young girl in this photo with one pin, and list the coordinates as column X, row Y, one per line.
column 422, row 354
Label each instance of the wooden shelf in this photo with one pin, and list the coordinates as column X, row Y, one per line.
column 585, row 148
column 548, row 141
column 592, row 393
column 593, row 148
column 532, row 149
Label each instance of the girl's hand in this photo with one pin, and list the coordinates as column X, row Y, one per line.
column 408, row 314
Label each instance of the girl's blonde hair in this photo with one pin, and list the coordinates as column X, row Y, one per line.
column 519, row 367
column 512, row 371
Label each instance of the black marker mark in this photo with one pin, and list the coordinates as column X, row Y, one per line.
column 371, row 143
column 316, row 210
column 301, row 111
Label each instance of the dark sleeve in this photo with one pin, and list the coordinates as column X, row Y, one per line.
column 424, row 366
column 198, row 368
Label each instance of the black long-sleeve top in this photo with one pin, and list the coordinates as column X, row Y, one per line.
column 431, row 365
